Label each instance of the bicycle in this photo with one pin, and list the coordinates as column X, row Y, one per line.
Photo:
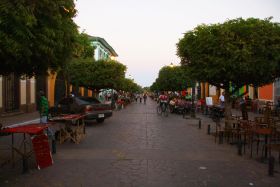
column 162, row 109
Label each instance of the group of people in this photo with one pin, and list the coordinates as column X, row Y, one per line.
column 140, row 97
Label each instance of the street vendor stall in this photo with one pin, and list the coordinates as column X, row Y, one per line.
column 40, row 144
column 70, row 127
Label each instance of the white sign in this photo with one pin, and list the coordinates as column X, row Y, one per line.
column 209, row 101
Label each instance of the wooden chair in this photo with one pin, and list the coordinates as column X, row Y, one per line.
column 274, row 144
column 231, row 128
column 260, row 134
column 246, row 132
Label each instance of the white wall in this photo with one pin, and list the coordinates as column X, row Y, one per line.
column 100, row 52
column 251, row 92
column 212, row 90
column 96, row 53
column 32, row 90
column 22, row 92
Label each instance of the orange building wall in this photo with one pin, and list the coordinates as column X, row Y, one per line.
column 89, row 93
column 82, row 91
column 266, row 92
column 51, row 87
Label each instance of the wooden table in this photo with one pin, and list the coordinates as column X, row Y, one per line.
column 39, row 141
column 70, row 127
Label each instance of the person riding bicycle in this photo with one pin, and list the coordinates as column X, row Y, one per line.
column 145, row 97
column 163, row 99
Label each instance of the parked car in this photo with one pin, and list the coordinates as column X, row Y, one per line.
column 91, row 107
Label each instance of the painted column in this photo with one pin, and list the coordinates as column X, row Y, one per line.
column 90, row 93
column 51, row 88
column 22, row 92
column 251, row 92
column 203, row 88
column 81, row 90
column 32, row 91
column 30, row 107
column 207, row 89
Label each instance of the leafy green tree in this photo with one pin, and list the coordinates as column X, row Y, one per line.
column 172, row 79
column 36, row 36
column 238, row 52
column 83, row 47
column 155, row 87
column 83, row 53
column 129, row 85
column 96, row 75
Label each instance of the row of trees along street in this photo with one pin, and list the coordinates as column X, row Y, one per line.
column 40, row 37
column 227, row 55
column 172, row 78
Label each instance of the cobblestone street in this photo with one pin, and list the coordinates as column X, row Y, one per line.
column 137, row 147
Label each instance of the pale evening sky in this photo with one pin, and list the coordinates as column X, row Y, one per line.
column 144, row 33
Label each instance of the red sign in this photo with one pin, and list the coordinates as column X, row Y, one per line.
column 42, row 150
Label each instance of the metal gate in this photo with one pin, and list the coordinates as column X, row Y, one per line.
column 11, row 93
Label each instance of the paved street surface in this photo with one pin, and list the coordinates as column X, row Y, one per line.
column 136, row 147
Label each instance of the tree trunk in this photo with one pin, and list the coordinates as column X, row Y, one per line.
column 227, row 104
column 193, row 98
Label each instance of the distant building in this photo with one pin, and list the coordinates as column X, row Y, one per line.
column 269, row 92
column 102, row 51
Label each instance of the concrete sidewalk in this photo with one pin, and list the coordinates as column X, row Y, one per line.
column 19, row 118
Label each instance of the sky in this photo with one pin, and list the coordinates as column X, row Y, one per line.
column 144, row 33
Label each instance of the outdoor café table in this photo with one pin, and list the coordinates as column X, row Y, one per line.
column 71, row 127
column 39, row 141
column 266, row 132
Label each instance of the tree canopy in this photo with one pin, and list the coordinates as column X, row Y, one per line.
column 172, row 79
column 238, row 52
column 36, row 35
column 83, row 47
column 96, row 74
column 129, row 85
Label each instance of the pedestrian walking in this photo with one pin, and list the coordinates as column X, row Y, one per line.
column 145, row 97
column 44, row 113
column 43, row 107
column 243, row 109
column 138, row 97
column 141, row 97
column 222, row 99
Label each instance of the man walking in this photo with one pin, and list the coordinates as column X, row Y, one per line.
column 43, row 107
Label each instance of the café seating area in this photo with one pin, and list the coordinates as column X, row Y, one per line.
column 257, row 137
